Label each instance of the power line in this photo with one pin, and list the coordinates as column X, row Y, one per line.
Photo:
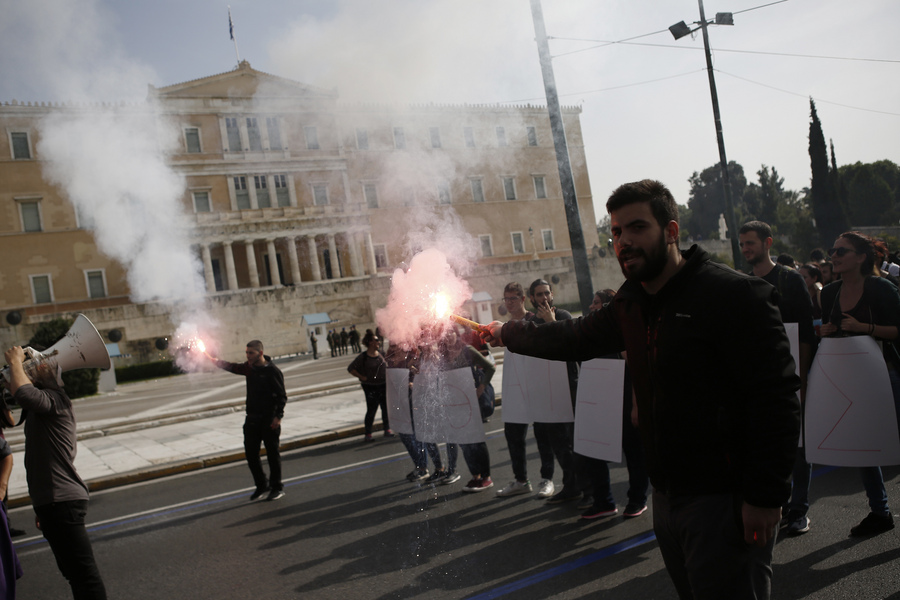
column 818, row 100
column 683, row 47
column 615, row 87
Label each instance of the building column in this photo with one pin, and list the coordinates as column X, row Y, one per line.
column 370, row 253
column 332, row 257
column 314, row 258
column 251, row 264
column 273, row 263
column 207, row 268
column 354, row 254
column 295, row 262
column 230, row 271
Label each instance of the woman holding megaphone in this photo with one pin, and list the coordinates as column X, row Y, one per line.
column 58, row 494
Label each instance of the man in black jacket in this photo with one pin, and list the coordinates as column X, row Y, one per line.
column 265, row 409
column 715, row 386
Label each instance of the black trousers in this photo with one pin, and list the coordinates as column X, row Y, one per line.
column 258, row 432
column 62, row 524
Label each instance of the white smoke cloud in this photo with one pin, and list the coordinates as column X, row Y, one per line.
column 108, row 160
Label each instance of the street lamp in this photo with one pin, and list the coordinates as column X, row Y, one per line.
column 679, row 30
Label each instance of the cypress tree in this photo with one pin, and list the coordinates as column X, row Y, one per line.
column 831, row 220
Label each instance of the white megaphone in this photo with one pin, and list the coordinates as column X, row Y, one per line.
column 81, row 348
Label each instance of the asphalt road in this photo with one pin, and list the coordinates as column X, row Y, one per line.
column 351, row 526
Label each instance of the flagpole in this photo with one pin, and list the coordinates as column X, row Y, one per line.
column 231, row 33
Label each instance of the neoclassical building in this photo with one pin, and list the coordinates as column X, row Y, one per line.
column 300, row 207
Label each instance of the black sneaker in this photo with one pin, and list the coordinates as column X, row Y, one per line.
column 873, row 524
column 436, row 476
column 275, row 495
column 258, row 493
column 566, row 495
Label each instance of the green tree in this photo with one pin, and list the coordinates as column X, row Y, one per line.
column 707, row 199
column 761, row 200
column 78, row 383
column 826, row 206
column 872, row 192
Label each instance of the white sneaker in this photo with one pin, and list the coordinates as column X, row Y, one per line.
column 515, row 488
column 546, row 488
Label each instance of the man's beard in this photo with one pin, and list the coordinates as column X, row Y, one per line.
column 653, row 265
column 754, row 260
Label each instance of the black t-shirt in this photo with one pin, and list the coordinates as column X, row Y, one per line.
column 794, row 301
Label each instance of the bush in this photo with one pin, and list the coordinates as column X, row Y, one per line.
column 78, row 383
column 152, row 370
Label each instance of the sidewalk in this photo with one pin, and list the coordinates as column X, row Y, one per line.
column 150, row 450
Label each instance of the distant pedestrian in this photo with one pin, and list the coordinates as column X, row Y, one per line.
column 369, row 367
column 354, row 339
column 345, row 340
column 335, row 341
column 329, row 337
column 265, row 409
column 314, row 342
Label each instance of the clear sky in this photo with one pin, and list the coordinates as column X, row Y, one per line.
column 646, row 102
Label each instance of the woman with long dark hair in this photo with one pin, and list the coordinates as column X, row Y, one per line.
column 863, row 303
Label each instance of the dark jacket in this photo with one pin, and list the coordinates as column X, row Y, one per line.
column 712, row 372
column 880, row 305
column 265, row 388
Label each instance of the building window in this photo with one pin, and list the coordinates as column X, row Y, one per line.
column 274, row 133
column 518, row 242
column 531, row 132
column 444, row 193
column 501, row 136
column 487, row 248
column 192, row 139
column 83, row 217
column 435, row 133
column 509, row 188
column 312, row 138
column 362, row 139
column 201, row 202
column 41, row 288
column 31, row 216
column 96, row 284
column 21, row 150
column 371, row 195
column 399, row 138
column 241, row 193
column 282, row 193
column 477, row 190
column 381, row 261
column 253, row 134
column 320, row 195
column 234, row 134
column 547, row 235
column 540, row 187
column 262, row 191
column 469, row 135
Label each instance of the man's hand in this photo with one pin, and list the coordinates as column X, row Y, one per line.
column 546, row 312
column 491, row 333
column 276, row 423
column 14, row 356
column 759, row 523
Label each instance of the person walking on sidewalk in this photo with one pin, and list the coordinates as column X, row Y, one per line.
column 58, row 494
column 369, row 367
column 265, row 409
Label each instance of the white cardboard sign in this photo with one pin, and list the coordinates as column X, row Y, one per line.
column 535, row 390
column 399, row 415
column 850, row 416
column 598, row 409
column 445, row 407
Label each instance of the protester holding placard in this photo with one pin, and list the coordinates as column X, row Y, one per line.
column 862, row 303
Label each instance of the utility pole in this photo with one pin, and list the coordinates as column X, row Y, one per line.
column 566, row 180
column 726, row 181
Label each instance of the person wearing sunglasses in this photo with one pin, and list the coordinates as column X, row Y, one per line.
column 863, row 303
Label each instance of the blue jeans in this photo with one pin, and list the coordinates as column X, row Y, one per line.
column 376, row 397
column 435, row 453
column 62, row 524
column 477, row 459
column 416, row 450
